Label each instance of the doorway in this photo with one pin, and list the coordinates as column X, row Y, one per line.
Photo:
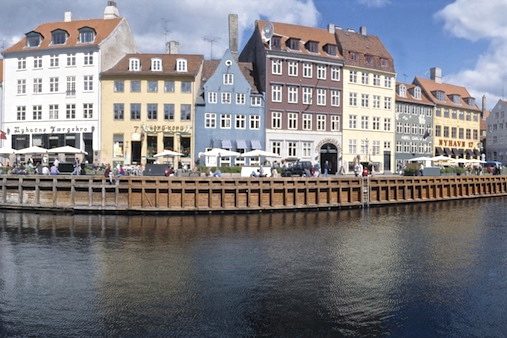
column 329, row 152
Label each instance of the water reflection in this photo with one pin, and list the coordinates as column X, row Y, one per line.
column 432, row 269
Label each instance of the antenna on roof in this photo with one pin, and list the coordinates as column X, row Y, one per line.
column 165, row 28
column 211, row 40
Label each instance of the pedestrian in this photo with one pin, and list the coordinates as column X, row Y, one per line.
column 326, row 168
column 77, row 167
column 54, row 170
column 108, row 174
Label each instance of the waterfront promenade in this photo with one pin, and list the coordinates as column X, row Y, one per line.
column 234, row 194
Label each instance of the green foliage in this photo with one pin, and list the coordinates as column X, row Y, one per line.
column 410, row 171
column 452, row 170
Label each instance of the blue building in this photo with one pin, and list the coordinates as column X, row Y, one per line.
column 230, row 110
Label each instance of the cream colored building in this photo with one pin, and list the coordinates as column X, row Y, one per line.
column 148, row 103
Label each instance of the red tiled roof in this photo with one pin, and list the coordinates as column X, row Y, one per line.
column 430, row 87
column 102, row 27
column 305, row 34
column 410, row 98
column 194, row 62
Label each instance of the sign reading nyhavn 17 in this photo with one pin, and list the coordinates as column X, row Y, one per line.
column 455, row 144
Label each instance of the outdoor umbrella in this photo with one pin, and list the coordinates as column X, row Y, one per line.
column 31, row 150
column 417, row 159
column 218, row 152
column 7, row 151
column 66, row 150
column 260, row 153
column 168, row 153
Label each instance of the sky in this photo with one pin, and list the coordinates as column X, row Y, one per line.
column 467, row 39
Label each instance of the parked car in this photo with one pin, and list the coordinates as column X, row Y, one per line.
column 299, row 168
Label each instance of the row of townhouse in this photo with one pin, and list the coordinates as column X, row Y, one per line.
column 301, row 92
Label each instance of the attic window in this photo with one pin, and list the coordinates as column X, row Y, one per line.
column 353, row 55
column 293, row 43
column 439, row 95
column 383, row 63
column 134, row 64
column 156, row 65
column 58, row 37
column 331, row 49
column 402, row 91
column 275, row 42
column 86, row 35
column 181, row 65
column 369, row 59
column 470, row 101
column 417, row 92
column 456, row 98
column 33, row 39
column 312, row 46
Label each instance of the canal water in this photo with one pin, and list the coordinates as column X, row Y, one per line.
column 435, row 269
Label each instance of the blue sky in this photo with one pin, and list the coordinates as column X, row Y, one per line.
column 466, row 38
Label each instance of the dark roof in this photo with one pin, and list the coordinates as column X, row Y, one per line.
column 209, row 67
column 410, row 98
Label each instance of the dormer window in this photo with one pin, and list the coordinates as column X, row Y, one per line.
column 330, row 49
column 402, row 91
column 134, row 64
column 86, row 35
column 439, row 95
column 58, row 37
column 456, row 98
column 417, row 93
column 383, row 63
column 470, row 101
column 353, row 56
column 293, row 43
column 275, row 42
column 156, row 65
column 369, row 59
column 181, row 65
column 33, row 39
column 312, row 46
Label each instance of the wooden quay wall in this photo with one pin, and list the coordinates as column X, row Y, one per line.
column 202, row 194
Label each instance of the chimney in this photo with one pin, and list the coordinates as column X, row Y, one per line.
column 331, row 28
column 362, row 30
column 67, row 17
column 172, row 47
column 111, row 11
column 484, row 104
column 233, row 34
column 436, row 74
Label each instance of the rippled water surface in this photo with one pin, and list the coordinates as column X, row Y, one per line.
column 425, row 270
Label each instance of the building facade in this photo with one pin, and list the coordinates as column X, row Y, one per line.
column 148, row 106
column 369, row 102
column 52, row 88
column 300, row 70
column 496, row 136
column 414, row 124
column 230, row 110
column 456, row 120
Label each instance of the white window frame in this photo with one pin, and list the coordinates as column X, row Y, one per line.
column 134, row 64
column 335, row 97
column 226, row 98
column 181, row 65
column 225, row 121
column 307, row 121
column 276, row 93
column 292, row 121
column 255, row 122
column 292, row 68
column 321, row 122
column 321, row 96
column 335, row 73
column 307, row 70
column 292, row 94
column 321, row 72
column 212, row 97
column 335, row 122
column 276, row 67
column 228, row 79
column 210, row 120
column 240, row 98
column 276, row 120
column 240, row 121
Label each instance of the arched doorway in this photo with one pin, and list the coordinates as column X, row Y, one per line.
column 329, row 152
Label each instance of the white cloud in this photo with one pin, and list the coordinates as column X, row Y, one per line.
column 475, row 20
column 374, row 3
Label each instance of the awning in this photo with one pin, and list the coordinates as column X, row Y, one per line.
column 256, row 144
column 241, row 144
column 461, row 152
column 447, row 151
column 438, row 151
column 469, row 152
column 226, row 144
column 455, row 152
column 477, row 152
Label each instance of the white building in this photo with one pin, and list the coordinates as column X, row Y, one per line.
column 496, row 137
column 51, row 81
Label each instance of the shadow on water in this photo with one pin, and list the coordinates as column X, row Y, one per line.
column 418, row 270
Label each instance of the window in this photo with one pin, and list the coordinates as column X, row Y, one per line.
column 256, row 101
column 387, row 124
column 331, row 49
column 21, row 63
column 375, row 150
column 37, row 62
column 275, row 42
column 440, row 95
column 417, row 93
column 168, row 111
column 210, row 120
column 307, row 95
column 37, row 112
column 88, row 83
column 321, row 72
column 335, row 98
column 118, row 145
column 335, row 73
column 365, row 100
column 118, row 109
column 402, row 91
column 88, row 59
column 70, row 111
column 438, row 131
column 226, row 98
column 468, row 134
column 399, row 127
column 352, row 146
column 71, row 59
column 276, row 120
column 240, row 121
column 86, row 35
column 364, row 146
column 33, row 39
column 353, row 99
column 152, row 111
column 228, row 79
column 375, row 123
column 387, row 82
column 119, row 86
column 292, row 120
column 71, row 86
column 58, row 37
column 307, row 70
column 307, row 149
column 461, row 133
column 54, row 61
column 21, row 113
column 22, row 86
column 152, row 86
column 293, row 68
column 293, row 44
column 276, row 147
column 276, row 67
column 376, row 80
column 353, row 121
column 240, row 98
column 454, row 132
column 181, row 65
column 186, row 86
column 185, row 112
column 364, row 122
column 307, row 121
column 225, row 121
column 321, row 122
column 364, row 78
column 476, row 134
column 37, row 85
column 387, row 102
column 212, row 97
column 88, row 110
column 321, row 97
column 292, row 148
column 335, row 123
column 292, row 94
column 353, row 76
column 276, row 93
column 376, row 101
column 53, row 112
column 255, row 122
column 156, row 65
column 169, row 86
column 446, row 131
column 53, row 84
column 312, row 46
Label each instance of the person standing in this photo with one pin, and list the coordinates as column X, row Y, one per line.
column 326, row 168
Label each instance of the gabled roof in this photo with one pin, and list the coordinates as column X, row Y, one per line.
column 430, row 87
column 410, row 98
column 102, row 27
column 194, row 62
column 304, row 34
column 209, row 67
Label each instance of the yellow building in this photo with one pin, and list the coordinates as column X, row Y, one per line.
column 456, row 122
column 148, row 103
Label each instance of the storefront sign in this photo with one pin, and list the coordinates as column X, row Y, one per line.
column 454, row 144
column 171, row 129
column 49, row 130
